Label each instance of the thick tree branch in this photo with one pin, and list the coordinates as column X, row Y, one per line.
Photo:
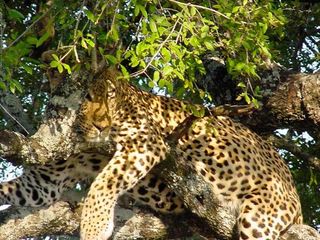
column 26, row 222
column 289, row 100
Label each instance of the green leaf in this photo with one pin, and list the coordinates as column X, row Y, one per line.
column 167, row 70
column 239, row 66
column 247, row 98
column 255, row 103
column 179, row 74
column 111, row 59
column 198, row 112
column 257, row 91
column 166, row 54
column 134, row 61
column 162, row 83
column 144, row 28
column 89, row 15
column 43, row 38
column 115, row 34
column 264, row 27
column 67, row 67
column 18, row 85
column 119, row 55
column 27, row 68
column 55, row 57
column 60, row 68
column 202, row 93
column 142, row 64
column 3, row 86
column 156, row 76
column 246, row 45
column 32, row 40
column 124, row 72
column 15, row 85
column 141, row 47
column 242, row 85
column 15, row 15
column 151, row 84
column 12, row 88
column 194, row 41
column 136, row 10
column 161, row 30
column 193, row 11
column 83, row 43
column 143, row 11
column 205, row 28
column 209, row 45
column 54, row 64
column 90, row 42
column 153, row 26
column 235, row 9
column 204, row 31
column 169, row 87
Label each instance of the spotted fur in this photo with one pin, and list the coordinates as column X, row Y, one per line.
column 243, row 170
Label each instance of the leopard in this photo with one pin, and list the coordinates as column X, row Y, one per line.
column 42, row 185
column 243, row 170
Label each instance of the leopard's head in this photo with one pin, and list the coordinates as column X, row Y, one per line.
column 95, row 113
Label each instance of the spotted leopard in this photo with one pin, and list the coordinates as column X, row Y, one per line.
column 43, row 185
column 243, row 170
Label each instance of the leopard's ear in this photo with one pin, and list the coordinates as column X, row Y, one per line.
column 109, row 72
column 89, row 96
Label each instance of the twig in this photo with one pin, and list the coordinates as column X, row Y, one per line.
column 156, row 53
column 200, row 7
column 28, row 28
column 290, row 146
column 231, row 110
column 78, row 21
column 14, row 119
column 223, row 110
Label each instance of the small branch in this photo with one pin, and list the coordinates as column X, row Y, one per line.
column 295, row 150
column 200, row 7
column 223, row 110
column 231, row 110
column 156, row 53
column 94, row 58
column 28, row 28
column 13, row 112
column 181, row 130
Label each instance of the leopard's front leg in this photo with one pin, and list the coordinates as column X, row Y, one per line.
column 131, row 163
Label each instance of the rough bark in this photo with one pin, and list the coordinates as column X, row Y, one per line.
column 57, row 219
column 55, row 140
column 294, row 103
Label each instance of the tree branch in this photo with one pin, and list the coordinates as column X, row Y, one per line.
column 14, row 114
column 20, row 223
column 290, row 146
